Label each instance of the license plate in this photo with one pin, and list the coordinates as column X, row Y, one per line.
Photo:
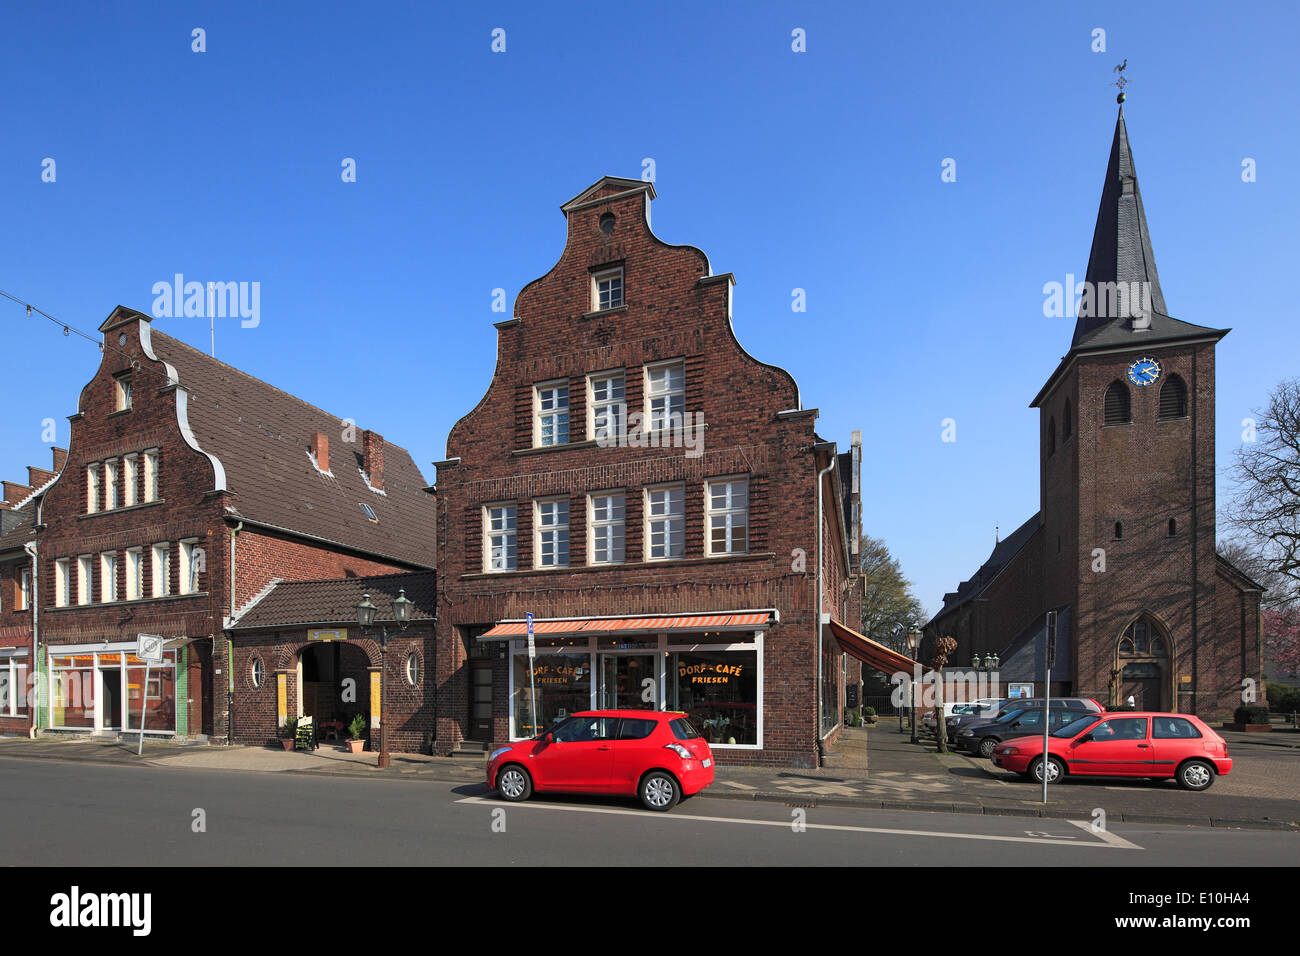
column 706, row 762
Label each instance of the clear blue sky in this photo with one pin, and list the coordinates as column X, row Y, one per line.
column 817, row 170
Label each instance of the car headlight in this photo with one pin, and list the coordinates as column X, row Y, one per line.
column 968, row 733
column 680, row 751
column 497, row 753
column 1009, row 750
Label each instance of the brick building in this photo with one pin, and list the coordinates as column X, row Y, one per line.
column 649, row 492
column 189, row 488
column 298, row 651
column 1123, row 544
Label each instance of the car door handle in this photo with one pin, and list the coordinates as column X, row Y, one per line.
column 605, row 747
column 1144, row 745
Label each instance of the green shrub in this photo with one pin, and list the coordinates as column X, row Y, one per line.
column 868, row 711
column 1250, row 714
column 1283, row 699
column 357, row 727
column 291, row 726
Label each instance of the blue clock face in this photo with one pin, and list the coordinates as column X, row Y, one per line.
column 1144, row 371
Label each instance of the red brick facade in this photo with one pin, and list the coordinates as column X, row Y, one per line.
column 673, row 310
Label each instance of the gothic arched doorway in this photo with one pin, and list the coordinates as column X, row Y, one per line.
column 1142, row 662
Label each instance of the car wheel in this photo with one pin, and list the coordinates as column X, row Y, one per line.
column 1055, row 770
column 987, row 746
column 659, row 791
column 1195, row 775
column 514, row 784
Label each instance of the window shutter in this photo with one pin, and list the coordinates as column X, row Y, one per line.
column 1173, row 398
column 1117, row 404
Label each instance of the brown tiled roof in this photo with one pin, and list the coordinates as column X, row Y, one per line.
column 296, row 603
column 17, row 532
column 262, row 436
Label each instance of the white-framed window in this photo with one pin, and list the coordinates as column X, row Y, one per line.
column 665, row 522
column 256, row 671
column 162, row 569
column 134, row 574
column 110, row 484
column 500, row 547
column 108, row 577
column 123, row 392
column 131, row 479
column 63, row 582
column 85, row 570
column 413, row 669
column 726, row 509
column 665, row 395
column 606, row 406
column 151, row 475
column 92, row 488
column 551, row 414
column 606, row 527
column 24, row 589
column 551, row 533
column 607, row 289
column 191, row 565
column 13, row 683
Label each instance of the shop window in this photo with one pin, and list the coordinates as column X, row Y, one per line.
column 563, row 687
column 718, row 690
column 13, row 684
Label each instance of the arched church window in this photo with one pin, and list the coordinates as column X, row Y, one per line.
column 1173, row 398
column 1118, row 411
column 1141, row 639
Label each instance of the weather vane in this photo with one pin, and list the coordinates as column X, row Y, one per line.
column 1121, row 81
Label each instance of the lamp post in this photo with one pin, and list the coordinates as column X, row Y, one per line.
column 366, row 618
column 913, row 642
column 898, row 634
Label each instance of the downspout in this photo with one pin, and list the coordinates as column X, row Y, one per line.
column 230, row 697
column 817, row 607
column 35, row 668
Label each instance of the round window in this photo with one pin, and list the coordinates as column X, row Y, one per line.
column 256, row 672
column 607, row 223
column 413, row 668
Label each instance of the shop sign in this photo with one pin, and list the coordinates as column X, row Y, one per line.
column 710, row 673
column 339, row 634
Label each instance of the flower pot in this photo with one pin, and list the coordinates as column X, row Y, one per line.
column 356, row 746
column 287, row 742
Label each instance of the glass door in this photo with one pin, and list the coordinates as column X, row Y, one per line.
column 628, row 682
column 110, row 694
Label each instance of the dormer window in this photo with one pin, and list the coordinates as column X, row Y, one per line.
column 607, row 289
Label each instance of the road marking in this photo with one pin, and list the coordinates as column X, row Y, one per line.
column 733, row 783
column 1110, row 841
column 1113, row 839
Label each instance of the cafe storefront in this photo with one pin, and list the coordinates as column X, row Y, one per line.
column 708, row 666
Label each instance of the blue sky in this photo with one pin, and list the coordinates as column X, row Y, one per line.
column 817, row 170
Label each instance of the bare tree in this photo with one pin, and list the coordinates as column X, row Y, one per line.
column 942, row 649
column 1267, row 471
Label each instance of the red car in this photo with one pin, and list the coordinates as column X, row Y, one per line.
column 655, row 755
column 1123, row 745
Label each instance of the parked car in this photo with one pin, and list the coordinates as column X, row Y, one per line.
column 658, row 756
column 1010, row 705
column 984, row 708
column 1157, row 745
column 976, row 712
column 983, row 738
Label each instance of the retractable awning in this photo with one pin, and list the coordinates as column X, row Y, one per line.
column 676, row 623
column 871, row 653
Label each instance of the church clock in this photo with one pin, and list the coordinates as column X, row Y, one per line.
column 1144, row 371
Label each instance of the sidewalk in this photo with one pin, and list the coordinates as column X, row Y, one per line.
column 870, row 768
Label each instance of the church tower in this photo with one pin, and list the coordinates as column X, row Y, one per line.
column 1127, row 477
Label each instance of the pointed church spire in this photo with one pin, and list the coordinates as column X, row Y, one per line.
column 1121, row 250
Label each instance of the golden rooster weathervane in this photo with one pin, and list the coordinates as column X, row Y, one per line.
column 1121, row 81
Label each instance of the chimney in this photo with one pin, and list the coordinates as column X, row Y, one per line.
column 15, row 492
column 320, row 447
column 60, row 458
column 372, row 458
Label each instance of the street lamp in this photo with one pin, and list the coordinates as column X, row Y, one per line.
column 898, row 636
column 913, row 642
column 366, row 618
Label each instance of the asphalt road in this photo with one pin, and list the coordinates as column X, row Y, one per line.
column 95, row 815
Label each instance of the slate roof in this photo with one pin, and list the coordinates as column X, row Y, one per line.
column 17, row 533
column 298, row 603
column 262, row 435
column 1000, row 557
column 1025, row 658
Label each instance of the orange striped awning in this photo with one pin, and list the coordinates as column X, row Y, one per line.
column 726, row 620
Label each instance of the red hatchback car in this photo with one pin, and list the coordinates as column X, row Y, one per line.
column 655, row 755
column 1123, row 745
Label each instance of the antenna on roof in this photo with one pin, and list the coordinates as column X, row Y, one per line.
column 997, row 536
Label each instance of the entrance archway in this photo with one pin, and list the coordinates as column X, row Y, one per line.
column 1142, row 663
column 333, row 682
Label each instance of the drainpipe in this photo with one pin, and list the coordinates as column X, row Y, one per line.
column 817, row 607
column 230, row 697
column 34, row 666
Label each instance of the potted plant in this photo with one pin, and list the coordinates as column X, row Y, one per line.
column 870, row 714
column 290, row 732
column 356, row 727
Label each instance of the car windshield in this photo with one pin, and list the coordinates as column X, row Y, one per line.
column 1011, row 715
column 1077, row 726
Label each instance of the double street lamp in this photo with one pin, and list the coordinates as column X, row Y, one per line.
column 366, row 618
column 990, row 662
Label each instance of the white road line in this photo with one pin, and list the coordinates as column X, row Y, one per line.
column 1111, row 841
